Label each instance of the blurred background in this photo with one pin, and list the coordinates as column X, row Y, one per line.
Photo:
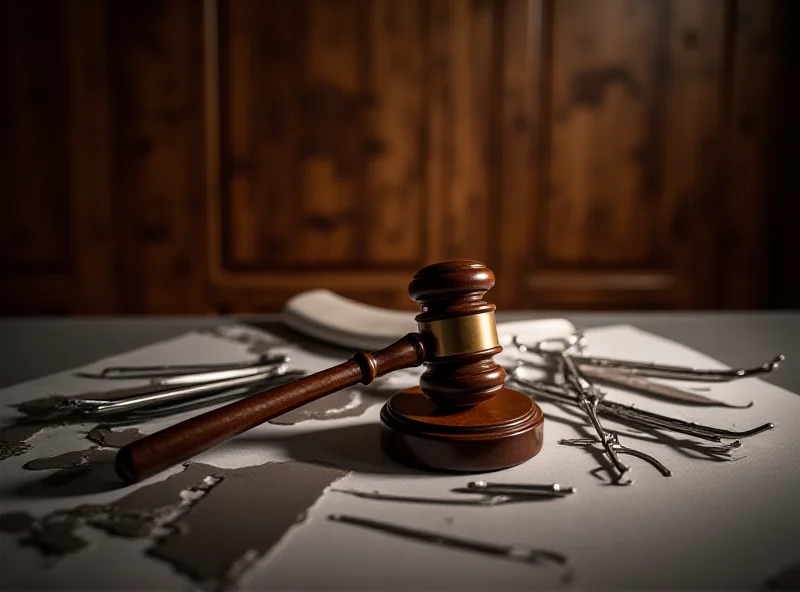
column 219, row 156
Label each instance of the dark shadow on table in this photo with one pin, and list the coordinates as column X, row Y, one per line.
column 97, row 476
column 351, row 447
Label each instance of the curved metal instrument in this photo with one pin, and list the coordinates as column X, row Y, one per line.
column 634, row 416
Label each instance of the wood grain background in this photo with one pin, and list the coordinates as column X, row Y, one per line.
column 179, row 156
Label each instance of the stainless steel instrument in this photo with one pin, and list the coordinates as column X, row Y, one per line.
column 521, row 553
column 552, row 350
column 575, row 388
column 166, row 394
column 634, row 416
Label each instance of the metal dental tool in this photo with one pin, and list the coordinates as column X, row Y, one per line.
column 521, row 553
column 484, row 500
column 645, row 385
column 157, row 398
column 552, row 349
column 492, row 494
column 581, row 392
column 520, row 488
column 636, row 417
column 218, row 375
column 588, row 398
column 133, row 372
column 679, row 372
column 613, row 438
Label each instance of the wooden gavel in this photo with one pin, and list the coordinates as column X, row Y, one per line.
column 461, row 419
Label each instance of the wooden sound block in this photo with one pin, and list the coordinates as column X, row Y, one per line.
column 500, row 432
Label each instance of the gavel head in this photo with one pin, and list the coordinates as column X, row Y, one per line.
column 459, row 331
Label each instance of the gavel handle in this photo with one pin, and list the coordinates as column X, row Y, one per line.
column 156, row 452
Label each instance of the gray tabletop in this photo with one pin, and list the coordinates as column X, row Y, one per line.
column 34, row 347
column 702, row 529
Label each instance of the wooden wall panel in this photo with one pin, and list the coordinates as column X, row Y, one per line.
column 33, row 116
column 157, row 110
column 92, row 285
column 626, row 169
column 169, row 156
column 599, row 210
column 694, row 131
column 752, row 151
column 393, row 218
column 460, row 78
column 55, row 249
column 334, row 107
column 261, row 69
column 322, row 131
column 520, row 147
column 782, row 254
column 378, row 158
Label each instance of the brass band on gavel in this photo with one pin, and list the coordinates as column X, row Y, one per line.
column 460, row 335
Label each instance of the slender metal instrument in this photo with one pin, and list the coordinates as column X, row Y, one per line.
column 134, row 372
column 641, row 384
column 154, row 398
column 613, row 439
column 485, row 499
column 520, row 488
column 588, row 397
column 633, row 415
column 521, row 553
column 553, row 348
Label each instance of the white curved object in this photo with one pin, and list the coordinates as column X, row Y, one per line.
column 330, row 317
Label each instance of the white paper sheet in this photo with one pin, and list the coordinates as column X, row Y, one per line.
column 727, row 525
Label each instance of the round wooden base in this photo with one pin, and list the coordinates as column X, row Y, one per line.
column 500, row 432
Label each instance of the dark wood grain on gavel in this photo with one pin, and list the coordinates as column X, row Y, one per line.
column 166, row 448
